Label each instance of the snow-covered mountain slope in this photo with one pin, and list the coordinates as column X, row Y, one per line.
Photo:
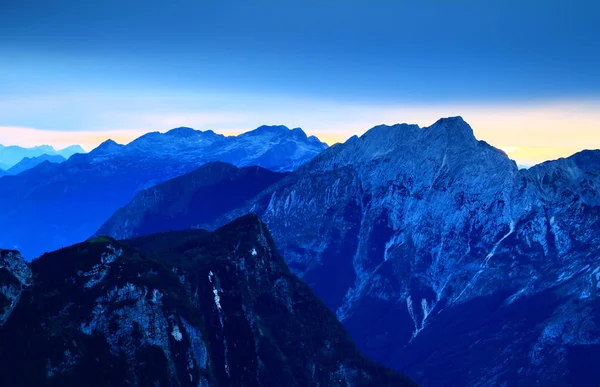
column 276, row 148
column 55, row 205
column 443, row 259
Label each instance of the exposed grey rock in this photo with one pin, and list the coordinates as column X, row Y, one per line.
column 187, row 308
column 15, row 276
column 400, row 230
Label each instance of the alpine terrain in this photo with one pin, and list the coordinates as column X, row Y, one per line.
column 55, row 205
column 441, row 258
column 186, row 308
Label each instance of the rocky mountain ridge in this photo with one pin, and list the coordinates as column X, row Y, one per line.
column 434, row 249
column 187, row 308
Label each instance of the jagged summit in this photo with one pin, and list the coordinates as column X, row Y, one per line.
column 11, row 155
column 107, row 146
column 73, row 149
column 186, row 132
column 351, row 139
column 448, row 142
column 390, row 135
column 455, row 120
column 298, row 132
column 282, row 130
column 588, row 159
column 182, row 131
column 276, row 132
column 394, row 127
column 274, row 129
column 458, row 130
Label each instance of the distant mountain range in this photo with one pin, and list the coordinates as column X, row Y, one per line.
column 441, row 257
column 30, row 162
column 56, row 205
column 11, row 155
column 186, row 308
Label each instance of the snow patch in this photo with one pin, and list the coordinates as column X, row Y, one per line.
column 216, row 289
column 176, row 333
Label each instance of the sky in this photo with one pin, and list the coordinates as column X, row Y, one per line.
column 525, row 75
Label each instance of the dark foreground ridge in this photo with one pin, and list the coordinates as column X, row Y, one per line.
column 185, row 308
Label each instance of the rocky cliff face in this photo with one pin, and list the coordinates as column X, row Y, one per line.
column 188, row 308
column 15, row 276
column 443, row 259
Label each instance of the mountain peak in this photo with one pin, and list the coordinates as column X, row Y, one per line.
column 351, row 139
column 272, row 129
column 44, row 148
column 299, row 132
column 587, row 159
column 456, row 128
column 183, row 131
column 72, row 149
column 453, row 119
column 108, row 146
column 389, row 135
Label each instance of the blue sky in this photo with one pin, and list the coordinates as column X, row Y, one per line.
column 335, row 67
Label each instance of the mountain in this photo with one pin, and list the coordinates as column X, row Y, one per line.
column 185, row 201
column 445, row 261
column 188, row 308
column 15, row 276
column 56, row 205
column 11, row 155
column 276, row 148
column 30, row 162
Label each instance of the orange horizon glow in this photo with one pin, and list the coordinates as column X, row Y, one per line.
column 529, row 134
